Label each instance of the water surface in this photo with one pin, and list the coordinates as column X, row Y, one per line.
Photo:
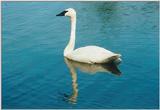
column 35, row 75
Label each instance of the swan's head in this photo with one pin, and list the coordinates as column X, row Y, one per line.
column 68, row 12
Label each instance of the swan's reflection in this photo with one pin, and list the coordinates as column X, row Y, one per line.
column 87, row 68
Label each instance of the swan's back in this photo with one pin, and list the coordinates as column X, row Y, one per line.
column 92, row 54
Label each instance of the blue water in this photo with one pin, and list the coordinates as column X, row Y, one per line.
column 34, row 74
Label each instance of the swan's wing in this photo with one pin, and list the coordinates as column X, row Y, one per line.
column 92, row 54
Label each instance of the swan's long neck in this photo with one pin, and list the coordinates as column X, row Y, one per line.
column 70, row 47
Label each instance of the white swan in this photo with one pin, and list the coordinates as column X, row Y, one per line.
column 87, row 54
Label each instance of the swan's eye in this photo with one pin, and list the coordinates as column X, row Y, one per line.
column 62, row 13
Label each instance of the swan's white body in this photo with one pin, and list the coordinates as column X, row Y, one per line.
column 88, row 54
column 92, row 54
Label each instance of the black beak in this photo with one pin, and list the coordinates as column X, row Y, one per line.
column 62, row 13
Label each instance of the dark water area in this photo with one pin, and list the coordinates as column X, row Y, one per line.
column 36, row 75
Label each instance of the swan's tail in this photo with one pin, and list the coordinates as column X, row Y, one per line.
column 117, row 61
column 115, row 58
column 112, row 64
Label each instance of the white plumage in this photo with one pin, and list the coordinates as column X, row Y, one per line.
column 92, row 54
column 88, row 54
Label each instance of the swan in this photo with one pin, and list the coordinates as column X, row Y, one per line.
column 88, row 54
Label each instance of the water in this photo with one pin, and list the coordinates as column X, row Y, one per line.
column 35, row 75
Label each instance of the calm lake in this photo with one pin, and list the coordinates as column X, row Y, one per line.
column 36, row 75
